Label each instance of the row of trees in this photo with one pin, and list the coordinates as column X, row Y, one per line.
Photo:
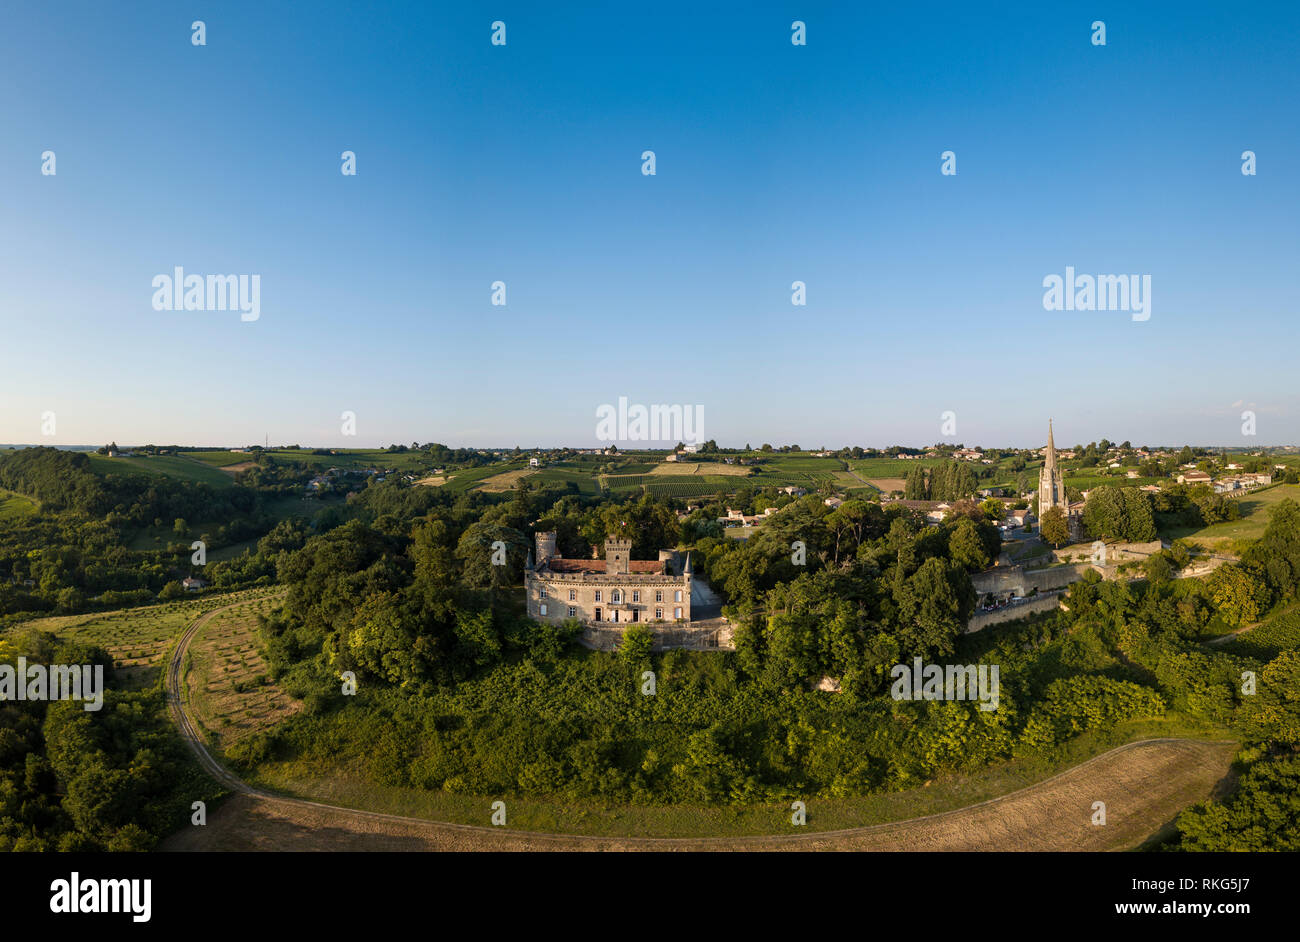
column 951, row 480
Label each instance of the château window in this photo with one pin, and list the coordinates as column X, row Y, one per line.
column 598, row 618
column 572, row 611
column 598, row 599
column 659, row 614
column 543, row 609
column 678, row 612
column 543, row 591
column 573, row 595
column 677, row 597
column 659, row 596
column 636, row 596
column 616, row 596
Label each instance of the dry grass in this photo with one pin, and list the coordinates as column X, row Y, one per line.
column 681, row 469
column 505, row 481
column 1144, row 785
column 229, row 692
column 233, row 469
column 434, row 480
column 886, row 485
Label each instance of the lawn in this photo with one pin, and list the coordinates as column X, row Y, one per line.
column 1255, row 509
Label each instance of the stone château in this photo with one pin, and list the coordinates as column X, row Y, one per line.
column 615, row 591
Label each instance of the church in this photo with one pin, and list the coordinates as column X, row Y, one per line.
column 1051, row 490
column 614, row 592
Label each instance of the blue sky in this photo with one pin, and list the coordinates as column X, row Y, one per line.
column 775, row 163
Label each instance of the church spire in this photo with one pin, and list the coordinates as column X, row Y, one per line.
column 1050, row 461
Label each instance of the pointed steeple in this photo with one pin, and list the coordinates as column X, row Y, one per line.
column 687, row 570
column 1050, row 462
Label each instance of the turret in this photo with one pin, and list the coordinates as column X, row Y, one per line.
column 546, row 548
column 618, row 554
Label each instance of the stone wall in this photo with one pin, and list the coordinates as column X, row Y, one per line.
column 1021, row 581
column 1042, row 603
column 712, row 635
column 1115, row 552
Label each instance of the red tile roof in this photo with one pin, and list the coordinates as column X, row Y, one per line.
column 646, row 566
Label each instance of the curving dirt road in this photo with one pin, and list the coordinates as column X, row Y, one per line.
column 1143, row 785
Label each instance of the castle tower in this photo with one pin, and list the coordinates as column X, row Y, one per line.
column 617, row 555
column 546, row 548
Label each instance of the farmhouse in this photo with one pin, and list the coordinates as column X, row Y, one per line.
column 617, row 590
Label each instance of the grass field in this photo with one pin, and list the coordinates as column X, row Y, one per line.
column 682, row 468
column 505, row 481
column 172, row 466
column 1254, row 518
column 136, row 638
column 14, row 506
column 217, row 459
column 226, row 682
column 586, row 483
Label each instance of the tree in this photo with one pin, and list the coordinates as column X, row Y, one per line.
column 966, row 548
column 1239, row 596
column 638, row 641
column 1054, row 527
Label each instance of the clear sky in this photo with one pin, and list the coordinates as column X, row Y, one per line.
column 775, row 163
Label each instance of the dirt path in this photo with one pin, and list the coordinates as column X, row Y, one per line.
column 1143, row 784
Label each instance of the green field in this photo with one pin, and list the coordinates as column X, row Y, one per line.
column 217, row 459
column 13, row 506
column 587, row 484
column 172, row 466
column 1254, row 517
column 890, row 467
